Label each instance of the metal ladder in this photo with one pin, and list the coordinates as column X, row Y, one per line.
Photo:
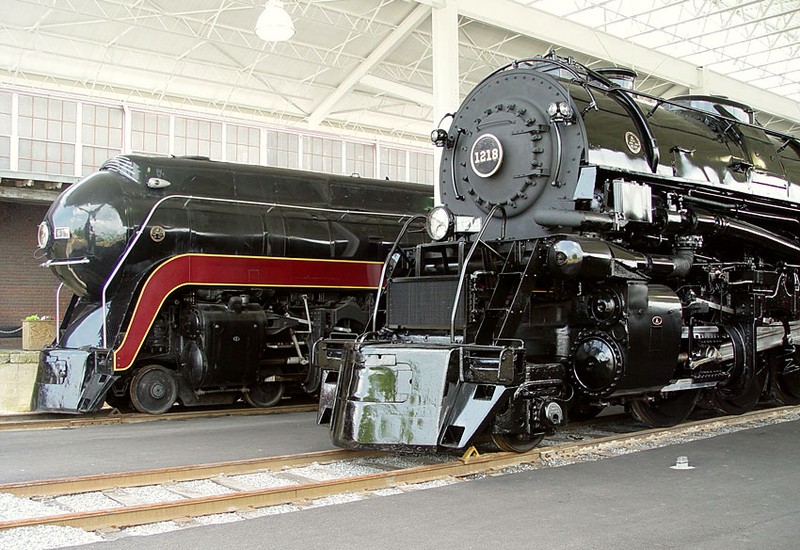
column 509, row 298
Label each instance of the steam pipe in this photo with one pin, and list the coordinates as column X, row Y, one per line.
column 690, row 222
column 720, row 225
column 592, row 258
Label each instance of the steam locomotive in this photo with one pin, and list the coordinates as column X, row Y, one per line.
column 594, row 245
column 200, row 282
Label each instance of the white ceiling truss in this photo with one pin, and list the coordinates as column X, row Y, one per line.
column 367, row 66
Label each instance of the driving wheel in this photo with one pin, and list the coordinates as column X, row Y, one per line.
column 264, row 394
column 666, row 409
column 727, row 401
column 517, row 443
column 785, row 373
column 153, row 390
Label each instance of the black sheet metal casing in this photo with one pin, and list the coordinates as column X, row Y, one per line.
column 654, row 336
column 231, row 344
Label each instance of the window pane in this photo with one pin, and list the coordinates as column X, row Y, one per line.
column 150, row 133
column 322, row 154
column 393, row 164
column 360, row 160
column 282, row 149
column 243, row 144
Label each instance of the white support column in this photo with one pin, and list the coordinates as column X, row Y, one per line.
column 378, row 174
column 702, row 82
column 300, row 163
column 224, row 152
column 263, row 150
column 171, row 135
column 77, row 162
column 14, row 153
column 445, row 73
column 127, row 129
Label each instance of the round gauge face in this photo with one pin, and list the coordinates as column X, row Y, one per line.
column 440, row 223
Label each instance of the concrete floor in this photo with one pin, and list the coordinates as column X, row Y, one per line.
column 42, row 454
column 742, row 493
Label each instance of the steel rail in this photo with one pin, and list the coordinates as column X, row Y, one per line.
column 470, row 464
column 139, row 478
column 29, row 422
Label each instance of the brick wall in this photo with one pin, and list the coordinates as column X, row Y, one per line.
column 25, row 288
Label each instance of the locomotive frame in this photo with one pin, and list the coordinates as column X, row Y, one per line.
column 594, row 246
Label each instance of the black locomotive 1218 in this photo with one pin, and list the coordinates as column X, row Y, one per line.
column 200, row 282
column 594, row 246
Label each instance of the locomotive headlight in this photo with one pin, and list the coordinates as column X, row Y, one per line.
column 439, row 137
column 43, row 235
column 439, row 223
column 560, row 109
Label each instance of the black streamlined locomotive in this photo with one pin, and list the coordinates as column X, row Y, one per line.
column 199, row 282
column 594, row 246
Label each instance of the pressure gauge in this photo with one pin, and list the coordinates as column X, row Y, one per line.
column 440, row 223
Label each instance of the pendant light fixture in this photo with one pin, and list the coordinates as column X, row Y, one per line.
column 274, row 24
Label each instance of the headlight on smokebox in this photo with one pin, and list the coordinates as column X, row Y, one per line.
column 439, row 223
column 43, row 235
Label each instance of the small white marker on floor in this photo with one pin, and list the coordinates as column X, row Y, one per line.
column 682, row 464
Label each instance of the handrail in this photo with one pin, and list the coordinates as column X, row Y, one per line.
column 187, row 198
column 463, row 270
column 568, row 65
column 456, row 194
column 58, row 313
column 73, row 261
column 385, row 268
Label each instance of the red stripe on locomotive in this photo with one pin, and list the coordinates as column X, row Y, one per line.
column 216, row 270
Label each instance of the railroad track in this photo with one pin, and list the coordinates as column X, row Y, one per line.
column 348, row 472
column 106, row 417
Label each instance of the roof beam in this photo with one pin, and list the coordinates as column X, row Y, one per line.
column 540, row 25
column 405, row 28
column 396, row 89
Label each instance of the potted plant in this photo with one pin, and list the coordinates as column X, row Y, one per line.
column 37, row 331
